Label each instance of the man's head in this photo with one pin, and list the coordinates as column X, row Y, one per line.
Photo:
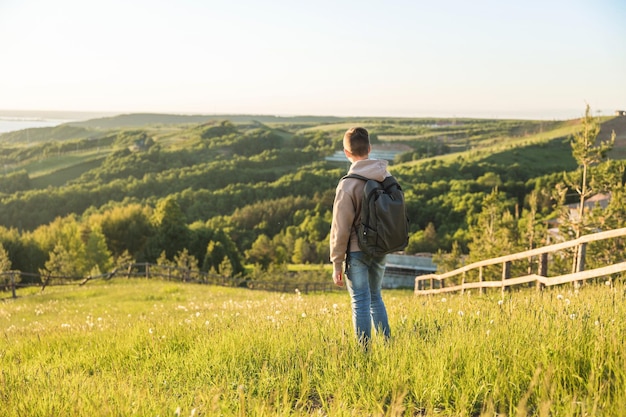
column 356, row 143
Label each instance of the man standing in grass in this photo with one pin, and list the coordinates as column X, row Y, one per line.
column 363, row 273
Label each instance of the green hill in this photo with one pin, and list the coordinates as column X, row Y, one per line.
column 269, row 177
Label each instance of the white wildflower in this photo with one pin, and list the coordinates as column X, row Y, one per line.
column 443, row 300
column 559, row 297
column 500, row 302
column 303, row 314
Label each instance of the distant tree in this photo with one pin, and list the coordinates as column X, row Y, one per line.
column 532, row 232
column 85, row 246
column 449, row 261
column 214, row 257
column 490, row 180
column 60, row 263
column 304, row 252
column 315, row 226
column 216, row 129
column 261, row 252
column 124, row 260
column 424, row 240
column 97, row 257
column 126, row 229
column 587, row 154
column 171, row 231
column 186, row 263
column 613, row 216
column 16, row 181
column 5, row 262
column 493, row 230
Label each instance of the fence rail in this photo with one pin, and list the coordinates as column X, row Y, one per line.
column 435, row 283
column 10, row 281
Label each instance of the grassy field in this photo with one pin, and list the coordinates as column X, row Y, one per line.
column 148, row 348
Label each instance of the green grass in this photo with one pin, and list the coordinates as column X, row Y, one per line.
column 61, row 176
column 140, row 347
column 55, row 163
column 537, row 149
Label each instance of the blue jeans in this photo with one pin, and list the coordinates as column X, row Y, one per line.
column 364, row 279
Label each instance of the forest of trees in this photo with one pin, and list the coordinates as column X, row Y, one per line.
column 221, row 195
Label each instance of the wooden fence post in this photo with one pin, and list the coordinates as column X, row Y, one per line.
column 581, row 251
column 13, row 284
column 543, row 269
column 506, row 273
column 481, row 290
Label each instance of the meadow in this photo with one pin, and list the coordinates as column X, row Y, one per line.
column 157, row 348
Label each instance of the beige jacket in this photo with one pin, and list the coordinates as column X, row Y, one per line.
column 347, row 208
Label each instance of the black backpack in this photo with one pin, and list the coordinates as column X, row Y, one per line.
column 383, row 226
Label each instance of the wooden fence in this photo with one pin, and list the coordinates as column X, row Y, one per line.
column 10, row 281
column 435, row 283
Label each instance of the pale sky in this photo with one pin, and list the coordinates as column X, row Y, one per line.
column 495, row 58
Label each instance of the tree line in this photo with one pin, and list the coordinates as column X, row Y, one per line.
column 223, row 198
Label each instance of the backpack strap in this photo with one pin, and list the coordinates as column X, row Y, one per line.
column 357, row 176
column 393, row 181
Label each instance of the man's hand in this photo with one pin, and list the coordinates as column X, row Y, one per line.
column 338, row 278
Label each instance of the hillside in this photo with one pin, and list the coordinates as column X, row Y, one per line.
column 618, row 125
column 269, row 184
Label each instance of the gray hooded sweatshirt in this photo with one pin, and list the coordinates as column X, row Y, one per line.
column 347, row 208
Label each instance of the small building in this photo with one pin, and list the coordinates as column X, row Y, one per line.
column 620, row 112
column 601, row 200
column 401, row 269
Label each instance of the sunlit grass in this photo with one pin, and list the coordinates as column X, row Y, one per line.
column 140, row 347
column 53, row 163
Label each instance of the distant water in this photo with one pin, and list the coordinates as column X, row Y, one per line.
column 10, row 124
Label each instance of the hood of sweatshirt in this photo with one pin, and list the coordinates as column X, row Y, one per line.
column 375, row 169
